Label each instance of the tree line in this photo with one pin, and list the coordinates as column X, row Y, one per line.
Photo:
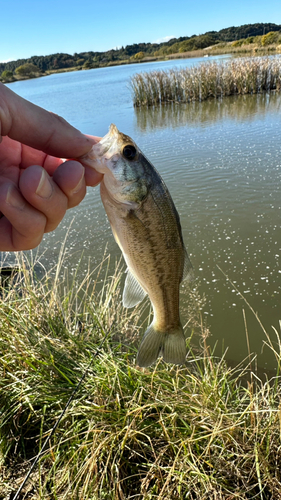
column 36, row 65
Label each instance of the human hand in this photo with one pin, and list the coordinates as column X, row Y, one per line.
column 36, row 185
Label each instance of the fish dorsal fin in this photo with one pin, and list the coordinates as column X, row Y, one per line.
column 133, row 292
column 187, row 268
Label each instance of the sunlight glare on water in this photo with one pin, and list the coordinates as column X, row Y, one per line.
column 221, row 161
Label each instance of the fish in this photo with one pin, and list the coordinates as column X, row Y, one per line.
column 146, row 226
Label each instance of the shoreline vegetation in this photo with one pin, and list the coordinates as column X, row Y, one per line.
column 203, row 431
column 247, row 40
column 204, row 81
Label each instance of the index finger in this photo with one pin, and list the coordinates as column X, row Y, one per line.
column 32, row 125
column 31, row 156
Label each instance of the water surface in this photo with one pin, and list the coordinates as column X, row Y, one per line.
column 221, row 161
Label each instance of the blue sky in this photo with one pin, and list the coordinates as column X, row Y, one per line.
column 46, row 27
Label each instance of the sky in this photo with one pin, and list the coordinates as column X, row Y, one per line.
column 46, row 27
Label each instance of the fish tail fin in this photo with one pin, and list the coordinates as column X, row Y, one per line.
column 171, row 345
column 174, row 348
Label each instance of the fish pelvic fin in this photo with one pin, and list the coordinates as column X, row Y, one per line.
column 133, row 292
column 188, row 273
column 171, row 345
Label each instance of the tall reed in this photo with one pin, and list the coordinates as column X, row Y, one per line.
column 210, row 79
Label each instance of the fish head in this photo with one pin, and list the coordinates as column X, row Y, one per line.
column 123, row 165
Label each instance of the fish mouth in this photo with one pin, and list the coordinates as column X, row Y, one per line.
column 113, row 130
column 109, row 141
column 113, row 143
column 100, row 152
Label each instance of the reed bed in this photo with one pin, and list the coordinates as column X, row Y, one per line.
column 207, row 80
column 200, row 431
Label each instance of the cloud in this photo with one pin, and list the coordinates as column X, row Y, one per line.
column 163, row 39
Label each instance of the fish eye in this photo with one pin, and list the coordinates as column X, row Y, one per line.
column 129, row 152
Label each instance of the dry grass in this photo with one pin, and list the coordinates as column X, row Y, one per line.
column 196, row 432
column 207, row 80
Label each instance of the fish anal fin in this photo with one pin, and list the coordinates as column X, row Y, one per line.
column 133, row 292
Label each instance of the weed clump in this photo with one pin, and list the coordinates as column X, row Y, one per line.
column 207, row 80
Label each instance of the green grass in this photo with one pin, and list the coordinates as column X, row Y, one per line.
column 207, row 80
column 201, row 431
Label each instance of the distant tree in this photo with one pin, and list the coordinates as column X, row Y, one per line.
column 110, row 56
column 203, row 41
column 7, row 76
column 27, row 69
column 237, row 32
column 173, row 49
column 42, row 65
column 90, row 63
column 139, row 55
column 68, row 63
column 270, row 38
column 56, row 63
column 238, row 43
column 187, row 45
column 161, row 52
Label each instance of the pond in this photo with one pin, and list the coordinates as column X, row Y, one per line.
column 221, row 161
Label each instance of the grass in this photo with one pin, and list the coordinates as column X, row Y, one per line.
column 201, row 431
column 207, row 80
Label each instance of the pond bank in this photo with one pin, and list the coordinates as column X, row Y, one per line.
column 165, row 431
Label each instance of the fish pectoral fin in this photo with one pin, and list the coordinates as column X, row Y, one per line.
column 187, row 268
column 133, row 292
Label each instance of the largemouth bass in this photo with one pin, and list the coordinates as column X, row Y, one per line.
column 146, row 226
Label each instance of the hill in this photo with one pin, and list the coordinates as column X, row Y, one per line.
column 36, row 65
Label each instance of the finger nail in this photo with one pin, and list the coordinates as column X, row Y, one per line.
column 44, row 189
column 79, row 185
column 14, row 198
